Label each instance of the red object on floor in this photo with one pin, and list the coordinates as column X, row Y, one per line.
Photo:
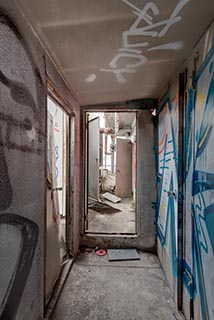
column 101, row 252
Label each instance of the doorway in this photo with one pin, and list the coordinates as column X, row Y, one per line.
column 56, row 201
column 110, row 172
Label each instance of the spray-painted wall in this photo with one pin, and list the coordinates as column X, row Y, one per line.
column 199, row 175
column 22, row 149
column 23, row 98
column 168, row 187
column 198, row 241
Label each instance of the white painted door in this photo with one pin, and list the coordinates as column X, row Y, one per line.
column 123, row 168
column 93, row 157
column 52, row 259
column 57, row 152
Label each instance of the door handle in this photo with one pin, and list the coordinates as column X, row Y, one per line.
column 57, row 189
column 172, row 194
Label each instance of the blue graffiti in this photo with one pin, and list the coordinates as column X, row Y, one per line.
column 202, row 213
column 202, row 181
column 188, row 279
column 209, row 220
column 208, row 116
column 197, row 140
column 169, row 154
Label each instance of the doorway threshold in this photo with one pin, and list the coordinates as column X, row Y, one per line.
column 114, row 234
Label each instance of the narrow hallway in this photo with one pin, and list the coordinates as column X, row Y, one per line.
column 123, row 290
column 106, row 141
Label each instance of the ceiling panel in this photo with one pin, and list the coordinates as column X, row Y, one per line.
column 118, row 50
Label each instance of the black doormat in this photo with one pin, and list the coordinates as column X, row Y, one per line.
column 102, row 207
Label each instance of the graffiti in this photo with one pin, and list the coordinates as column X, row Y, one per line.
column 21, row 136
column 202, row 204
column 91, row 77
column 56, row 141
column 22, row 96
column 29, row 231
column 168, row 46
column 167, row 179
column 129, row 51
column 56, row 147
column 198, row 276
column 30, row 136
column 57, row 157
column 5, row 185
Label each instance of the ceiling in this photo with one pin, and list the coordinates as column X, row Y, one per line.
column 117, row 50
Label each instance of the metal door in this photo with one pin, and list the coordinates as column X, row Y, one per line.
column 93, row 157
column 123, row 168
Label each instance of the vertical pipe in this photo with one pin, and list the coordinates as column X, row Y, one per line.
column 112, row 155
column 86, row 173
column 105, row 147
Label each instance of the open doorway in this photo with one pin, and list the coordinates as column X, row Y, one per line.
column 56, row 201
column 111, row 173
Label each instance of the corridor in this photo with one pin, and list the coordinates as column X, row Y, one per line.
column 121, row 290
column 106, row 141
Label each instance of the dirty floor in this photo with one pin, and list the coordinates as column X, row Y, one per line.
column 119, row 222
column 97, row 289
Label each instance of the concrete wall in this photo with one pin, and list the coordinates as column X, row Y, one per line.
column 198, row 242
column 22, row 164
column 146, row 190
column 23, row 98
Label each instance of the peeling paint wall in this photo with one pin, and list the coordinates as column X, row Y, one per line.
column 198, row 242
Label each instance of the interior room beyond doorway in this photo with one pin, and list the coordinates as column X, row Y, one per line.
column 111, row 173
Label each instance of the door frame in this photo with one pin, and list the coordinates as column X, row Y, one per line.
column 143, row 108
column 180, row 174
column 181, row 180
column 54, row 95
column 86, row 181
column 85, row 221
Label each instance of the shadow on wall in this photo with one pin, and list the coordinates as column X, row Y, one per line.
column 20, row 137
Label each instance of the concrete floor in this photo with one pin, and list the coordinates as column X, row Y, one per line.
column 119, row 222
column 97, row 289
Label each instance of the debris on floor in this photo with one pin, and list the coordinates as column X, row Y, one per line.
column 108, row 182
column 85, row 250
column 101, row 253
column 122, row 254
column 120, row 222
column 102, row 207
column 111, row 197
